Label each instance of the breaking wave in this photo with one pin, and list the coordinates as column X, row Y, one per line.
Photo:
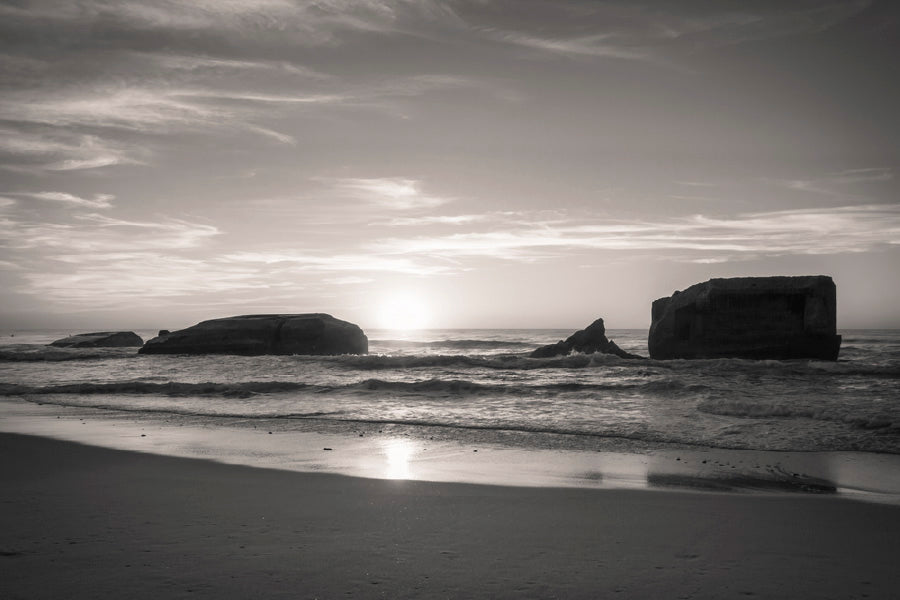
column 249, row 388
column 884, row 421
column 374, row 362
column 455, row 344
column 49, row 354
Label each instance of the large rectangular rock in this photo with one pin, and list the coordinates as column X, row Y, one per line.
column 748, row 317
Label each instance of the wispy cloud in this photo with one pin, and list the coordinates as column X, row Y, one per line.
column 394, row 193
column 54, row 119
column 306, row 23
column 348, row 280
column 195, row 62
column 434, row 220
column 703, row 184
column 96, row 233
column 359, row 262
column 810, row 231
column 59, row 150
column 598, row 45
column 135, row 278
column 129, row 108
column 98, row 201
column 143, row 110
column 75, row 91
column 95, row 261
column 633, row 31
column 838, row 183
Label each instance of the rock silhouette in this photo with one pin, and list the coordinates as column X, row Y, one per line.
column 100, row 339
column 314, row 333
column 748, row 317
column 588, row 340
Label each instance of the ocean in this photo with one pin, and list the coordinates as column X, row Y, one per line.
column 479, row 386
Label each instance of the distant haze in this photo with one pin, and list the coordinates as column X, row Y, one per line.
column 472, row 163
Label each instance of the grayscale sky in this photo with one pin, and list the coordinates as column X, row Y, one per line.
column 471, row 163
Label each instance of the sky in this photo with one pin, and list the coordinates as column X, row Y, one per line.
column 470, row 163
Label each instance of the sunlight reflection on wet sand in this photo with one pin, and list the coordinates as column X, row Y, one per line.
column 859, row 475
column 397, row 453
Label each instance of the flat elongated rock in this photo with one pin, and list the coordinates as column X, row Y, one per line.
column 314, row 333
column 587, row 341
column 100, row 339
column 748, row 317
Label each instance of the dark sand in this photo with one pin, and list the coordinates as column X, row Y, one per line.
column 85, row 522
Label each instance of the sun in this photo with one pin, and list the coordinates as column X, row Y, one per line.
column 403, row 310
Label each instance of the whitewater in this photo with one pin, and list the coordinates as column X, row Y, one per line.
column 480, row 386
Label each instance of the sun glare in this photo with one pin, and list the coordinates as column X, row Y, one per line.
column 403, row 311
column 398, row 454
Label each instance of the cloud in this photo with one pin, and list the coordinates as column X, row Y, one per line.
column 394, row 193
column 95, row 261
column 349, row 280
column 850, row 176
column 361, row 262
column 652, row 31
column 433, row 220
column 128, row 108
column 194, row 62
column 839, row 183
column 143, row 110
column 99, row 200
column 134, row 278
column 306, row 23
column 847, row 229
column 79, row 80
column 703, row 184
column 592, row 45
column 96, row 233
column 162, row 109
column 51, row 149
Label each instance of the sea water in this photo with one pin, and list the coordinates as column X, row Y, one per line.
column 481, row 386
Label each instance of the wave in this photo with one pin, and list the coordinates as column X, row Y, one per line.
column 249, row 388
column 650, row 437
column 459, row 344
column 374, row 362
column 855, row 369
column 880, row 366
column 884, row 422
column 171, row 388
column 49, row 354
column 457, row 386
column 519, row 362
column 188, row 412
column 641, row 436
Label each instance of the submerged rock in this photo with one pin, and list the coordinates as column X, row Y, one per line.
column 314, row 333
column 100, row 339
column 748, row 317
column 588, row 340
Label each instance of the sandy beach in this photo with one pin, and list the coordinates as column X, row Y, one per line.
column 87, row 522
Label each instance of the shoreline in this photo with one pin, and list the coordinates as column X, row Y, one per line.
column 395, row 454
column 88, row 522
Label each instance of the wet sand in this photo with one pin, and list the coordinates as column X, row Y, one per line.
column 430, row 454
column 86, row 522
